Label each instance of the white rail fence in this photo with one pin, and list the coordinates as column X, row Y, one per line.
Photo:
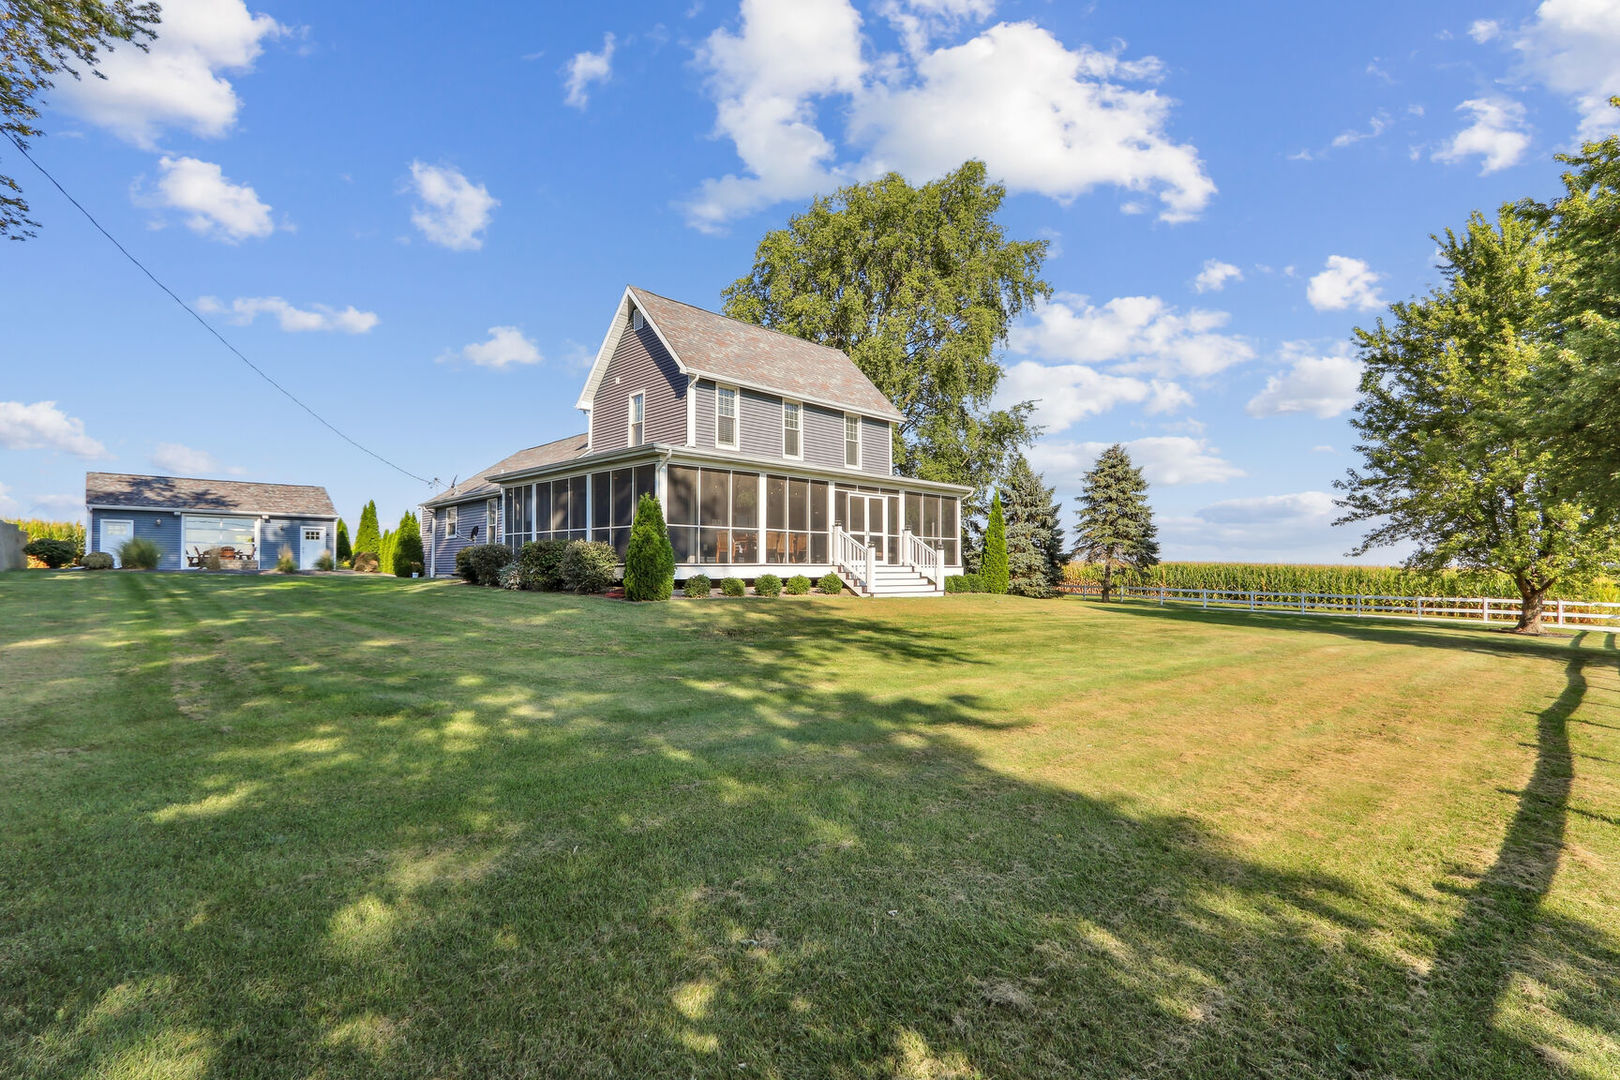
column 1490, row 610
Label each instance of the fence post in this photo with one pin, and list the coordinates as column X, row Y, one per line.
column 1485, row 609
column 1420, row 607
column 1251, row 600
column 1161, row 595
column 1302, row 603
column 1205, row 594
column 1358, row 604
column 1560, row 613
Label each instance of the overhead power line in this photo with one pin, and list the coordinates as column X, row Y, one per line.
column 205, row 324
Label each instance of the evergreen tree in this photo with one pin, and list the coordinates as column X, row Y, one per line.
column 1034, row 536
column 408, row 554
column 1115, row 526
column 649, row 562
column 993, row 561
column 344, row 551
column 367, row 540
column 385, row 552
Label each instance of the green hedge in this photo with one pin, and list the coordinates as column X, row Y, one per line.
column 539, row 565
column 589, row 566
column 480, row 564
column 1329, row 578
column 964, row 583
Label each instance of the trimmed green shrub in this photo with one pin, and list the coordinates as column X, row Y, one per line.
column 589, row 566
column 480, row 564
column 385, row 552
column 139, row 554
column 540, row 565
column 97, row 560
column 53, row 553
column 345, row 550
column 285, row 563
column 830, row 584
column 326, row 562
column 365, row 562
column 408, row 553
column 733, row 586
column 797, row 585
column 767, row 585
column 40, row 529
column 964, row 583
column 649, row 562
column 698, row 585
column 993, row 574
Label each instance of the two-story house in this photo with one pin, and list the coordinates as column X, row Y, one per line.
column 768, row 453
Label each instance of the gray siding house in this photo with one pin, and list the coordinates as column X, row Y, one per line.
column 768, row 453
column 247, row 523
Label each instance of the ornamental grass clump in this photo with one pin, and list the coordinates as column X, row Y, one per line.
column 285, row 563
column 139, row 554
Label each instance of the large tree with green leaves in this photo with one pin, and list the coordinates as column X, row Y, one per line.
column 918, row 285
column 1455, row 460
column 40, row 40
column 1034, row 532
column 1114, row 526
column 367, row 538
column 1581, row 395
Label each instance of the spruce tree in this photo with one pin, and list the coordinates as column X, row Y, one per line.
column 367, row 539
column 408, row 554
column 993, row 562
column 1034, row 537
column 649, row 562
column 1115, row 526
column 344, row 551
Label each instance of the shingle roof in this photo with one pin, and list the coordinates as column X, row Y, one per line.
column 190, row 493
column 535, row 456
column 740, row 352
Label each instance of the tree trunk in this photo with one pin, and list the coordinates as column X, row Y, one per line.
column 1108, row 582
column 1531, row 600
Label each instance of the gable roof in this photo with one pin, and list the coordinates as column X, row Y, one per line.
column 480, row 486
column 191, row 493
column 732, row 351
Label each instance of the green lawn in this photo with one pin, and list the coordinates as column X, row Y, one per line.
column 360, row 827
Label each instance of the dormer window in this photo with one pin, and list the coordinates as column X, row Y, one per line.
column 852, row 441
column 638, row 417
column 792, row 445
column 725, row 417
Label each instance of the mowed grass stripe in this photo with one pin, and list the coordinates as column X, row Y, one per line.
column 345, row 827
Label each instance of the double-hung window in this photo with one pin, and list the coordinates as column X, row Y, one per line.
column 852, row 441
column 792, row 447
column 492, row 514
column 450, row 521
column 725, row 417
column 638, row 418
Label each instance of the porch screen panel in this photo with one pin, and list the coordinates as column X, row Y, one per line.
column 776, row 515
column 559, row 509
column 601, row 504
column 542, row 511
column 682, row 510
column 937, row 525
column 745, row 517
column 820, row 538
column 714, row 508
column 577, row 507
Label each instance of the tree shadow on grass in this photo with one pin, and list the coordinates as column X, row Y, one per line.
column 583, row 847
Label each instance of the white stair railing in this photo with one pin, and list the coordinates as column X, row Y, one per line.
column 923, row 558
column 854, row 558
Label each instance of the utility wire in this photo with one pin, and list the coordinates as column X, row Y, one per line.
column 206, row 325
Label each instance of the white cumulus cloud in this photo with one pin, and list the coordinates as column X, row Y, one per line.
column 1483, row 30
column 244, row 309
column 1171, row 460
column 1067, row 393
column 177, row 459
column 1571, row 47
column 506, row 346
column 453, row 211
column 42, row 426
column 1045, row 118
column 1215, row 274
column 1323, row 386
column 1496, row 136
column 179, row 82
column 1344, row 283
column 1133, row 334
column 214, row 206
column 587, row 68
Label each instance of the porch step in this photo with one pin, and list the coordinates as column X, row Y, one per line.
column 892, row 580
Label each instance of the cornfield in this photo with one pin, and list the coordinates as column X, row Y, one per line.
column 1340, row 580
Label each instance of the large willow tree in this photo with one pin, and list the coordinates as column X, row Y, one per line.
column 1457, row 461
column 918, row 285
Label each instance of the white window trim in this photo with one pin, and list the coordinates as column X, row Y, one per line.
column 492, row 520
column 799, row 405
column 859, row 448
column 630, row 418
column 736, row 417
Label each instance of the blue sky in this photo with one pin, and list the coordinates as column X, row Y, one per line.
column 422, row 224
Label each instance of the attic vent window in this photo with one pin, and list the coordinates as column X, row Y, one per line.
column 636, row 319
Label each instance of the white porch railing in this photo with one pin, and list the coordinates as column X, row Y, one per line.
column 855, row 559
column 1491, row 610
column 923, row 558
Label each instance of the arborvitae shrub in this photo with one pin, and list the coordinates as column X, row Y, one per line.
column 993, row 565
column 540, row 565
column 698, row 585
column 767, row 585
column 408, row 553
column 830, row 584
column 589, row 566
column 649, row 561
column 797, row 585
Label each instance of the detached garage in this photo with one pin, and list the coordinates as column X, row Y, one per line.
column 247, row 524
